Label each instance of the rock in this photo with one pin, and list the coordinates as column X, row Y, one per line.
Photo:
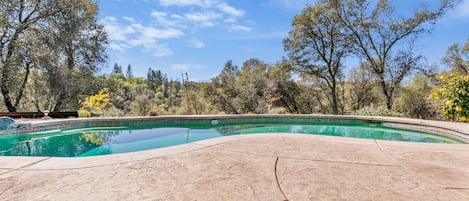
column 5, row 121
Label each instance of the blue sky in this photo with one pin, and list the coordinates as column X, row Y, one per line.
column 199, row 36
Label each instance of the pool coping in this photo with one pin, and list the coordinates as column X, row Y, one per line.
column 69, row 163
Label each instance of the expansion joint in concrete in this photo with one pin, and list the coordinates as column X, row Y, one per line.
column 278, row 182
column 388, row 156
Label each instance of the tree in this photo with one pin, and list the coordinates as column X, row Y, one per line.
column 252, row 86
column 360, row 87
column 117, row 68
column 283, row 90
column 156, row 79
column 119, row 91
column 385, row 39
column 457, row 57
column 318, row 45
column 413, row 100
column 18, row 24
column 129, row 73
column 76, row 45
column 222, row 91
column 142, row 102
column 59, row 40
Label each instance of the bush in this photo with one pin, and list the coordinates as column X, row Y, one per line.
column 413, row 101
column 96, row 102
column 84, row 114
column 453, row 96
column 112, row 111
column 278, row 110
column 153, row 112
column 377, row 111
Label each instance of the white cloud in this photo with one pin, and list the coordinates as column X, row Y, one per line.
column 161, row 50
column 206, row 19
column 130, row 19
column 186, row 67
column 160, row 17
column 196, row 43
column 142, row 41
column 230, row 10
column 116, row 31
column 165, row 20
column 230, row 20
column 156, row 33
column 127, row 33
column 205, row 13
column 236, row 27
column 181, row 3
column 152, row 36
column 118, row 47
column 179, row 17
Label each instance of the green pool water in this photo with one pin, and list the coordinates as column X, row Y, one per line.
column 111, row 140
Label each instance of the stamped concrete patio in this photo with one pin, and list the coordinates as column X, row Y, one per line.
column 249, row 167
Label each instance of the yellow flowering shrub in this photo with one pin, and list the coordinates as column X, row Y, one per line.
column 96, row 102
column 453, row 95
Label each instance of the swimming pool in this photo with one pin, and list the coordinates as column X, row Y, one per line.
column 94, row 141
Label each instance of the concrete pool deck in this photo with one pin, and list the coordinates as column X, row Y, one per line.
column 249, row 167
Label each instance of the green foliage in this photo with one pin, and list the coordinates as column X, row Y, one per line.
column 453, row 95
column 318, row 45
column 222, row 91
column 142, row 102
column 377, row 111
column 457, row 57
column 84, row 114
column 413, row 101
column 385, row 39
column 60, row 40
column 112, row 111
column 19, row 45
column 278, row 110
column 361, row 87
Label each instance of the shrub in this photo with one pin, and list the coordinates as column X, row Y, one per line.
column 413, row 101
column 453, row 96
column 278, row 110
column 377, row 111
column 96, row 103
column 84, row 114
column 153, row 112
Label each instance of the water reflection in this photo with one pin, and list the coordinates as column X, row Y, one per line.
column 99, row 142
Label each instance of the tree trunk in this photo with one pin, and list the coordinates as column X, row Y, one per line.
column 59, row 104
column 386, row 94
column 23, row 85
column 6, row 98
column 335, row 106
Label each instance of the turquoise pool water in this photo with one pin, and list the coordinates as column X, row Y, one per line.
column 111, row 140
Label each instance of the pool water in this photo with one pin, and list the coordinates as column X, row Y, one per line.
column 112, row 140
